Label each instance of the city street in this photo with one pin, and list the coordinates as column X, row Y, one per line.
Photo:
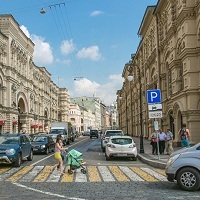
column 115, row 179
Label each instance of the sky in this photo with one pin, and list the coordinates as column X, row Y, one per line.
column 83, row 44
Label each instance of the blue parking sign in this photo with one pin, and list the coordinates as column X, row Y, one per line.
column 153, row 96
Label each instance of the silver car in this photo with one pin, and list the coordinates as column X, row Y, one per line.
column 184, row 167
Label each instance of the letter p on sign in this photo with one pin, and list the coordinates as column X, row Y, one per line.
column 153, row 96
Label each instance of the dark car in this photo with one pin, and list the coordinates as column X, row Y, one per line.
column 43, row 144
column 94, row 133
column 14, row 148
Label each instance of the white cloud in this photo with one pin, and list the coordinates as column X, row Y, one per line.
column 42, row 51
column 25, row 30
column 96, row 12
column 91, row 52
column 106, row 92
column 67, row 47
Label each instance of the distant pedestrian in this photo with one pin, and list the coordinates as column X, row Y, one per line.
column 169, row 142
column 162, row 139
column 185, row 136
column 154, row 137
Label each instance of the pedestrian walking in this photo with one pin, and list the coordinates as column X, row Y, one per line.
column 185, row 136
column 169, row 142
column 154, row 140
column 162, row 139
column 57, row 155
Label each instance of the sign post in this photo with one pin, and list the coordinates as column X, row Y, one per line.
column 155, row 110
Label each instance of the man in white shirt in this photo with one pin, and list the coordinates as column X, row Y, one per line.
column 162, row 139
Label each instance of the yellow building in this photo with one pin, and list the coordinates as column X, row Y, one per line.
column 167, row 58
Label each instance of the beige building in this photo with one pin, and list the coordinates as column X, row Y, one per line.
column 28, row 96
column 167, row 58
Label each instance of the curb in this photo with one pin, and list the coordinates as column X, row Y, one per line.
column 153, row 163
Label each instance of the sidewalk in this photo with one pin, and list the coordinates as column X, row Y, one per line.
column 148, row 158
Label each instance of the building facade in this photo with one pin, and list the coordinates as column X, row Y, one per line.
column 28, row 96
column 167, row 58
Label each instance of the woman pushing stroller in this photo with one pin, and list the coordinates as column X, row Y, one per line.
column 57, row 155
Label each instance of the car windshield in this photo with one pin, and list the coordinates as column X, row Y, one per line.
column 9, row 140
column 121, row 141
column 39, row 139
column 113, row 133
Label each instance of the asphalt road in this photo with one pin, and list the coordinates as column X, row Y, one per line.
column 116, row 179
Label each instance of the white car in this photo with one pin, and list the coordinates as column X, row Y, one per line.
column 106, row 136
column 121, row 146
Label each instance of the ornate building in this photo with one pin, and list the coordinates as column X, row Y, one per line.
column 167, row 58
column 28, row 96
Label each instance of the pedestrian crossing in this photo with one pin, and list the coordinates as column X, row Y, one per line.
column 94, row 174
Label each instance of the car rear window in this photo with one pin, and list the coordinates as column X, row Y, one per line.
column 94, row 131
column 121, row 141
column 113, row 133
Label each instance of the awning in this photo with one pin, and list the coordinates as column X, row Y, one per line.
column 40, row 126
column 2, row 122
column 34, row 126
column 15, row 122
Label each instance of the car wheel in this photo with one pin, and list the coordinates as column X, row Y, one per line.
column 18, row 162
column 134, row 158
column 188, row 179
column 47, row 151
column 103, row 149
column 90, row 137
column 107, row 158
column 68, row 142
column 30, row 157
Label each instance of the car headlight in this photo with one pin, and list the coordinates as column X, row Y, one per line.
column 10, row 151
column 42, row 146
column 172, row 159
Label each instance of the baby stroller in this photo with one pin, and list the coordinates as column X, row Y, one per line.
column 74, row 160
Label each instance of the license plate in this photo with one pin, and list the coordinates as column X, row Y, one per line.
column 35, row 149
column 122, row 154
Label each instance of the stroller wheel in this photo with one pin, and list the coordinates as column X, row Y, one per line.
column 70, row 171
column 83, row 171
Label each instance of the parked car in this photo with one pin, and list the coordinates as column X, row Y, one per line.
column 94, row 133
column 121, row 146
column 43, row 144
column 184, row 167
column 54, row 137
column 14, row 148
column 86, row 133
column 106, row 136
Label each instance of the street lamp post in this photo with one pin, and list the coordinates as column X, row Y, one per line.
column 130, row 78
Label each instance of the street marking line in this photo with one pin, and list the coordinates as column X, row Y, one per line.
column 67, row 177
column 119, row 175
column 2, row 170
column 132, row 175
column 106, row 174
column 155, row 174
column 143, row 174
column 43, row 175
column 47, row 193
column 160, row 171
column 19, row 174
column 93, row 174
column 79, row 176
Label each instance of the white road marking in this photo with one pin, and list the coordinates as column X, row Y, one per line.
column 79, row 176
column 54, row 177
column 47, row 193
column 105, row 173
column 132, row 175
column 32, row 174
column 53, row 154
column 155, row 174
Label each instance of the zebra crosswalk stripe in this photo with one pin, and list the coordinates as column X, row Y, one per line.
column 94, row 174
